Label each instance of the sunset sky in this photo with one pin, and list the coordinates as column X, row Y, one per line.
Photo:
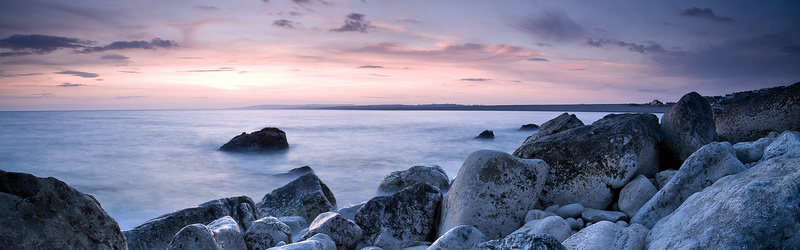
column 146, row 54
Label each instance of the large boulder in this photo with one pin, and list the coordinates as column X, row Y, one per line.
column 755, row 209
column 688, row 125
column 157, row 233
column 608, row 235
column 264, row 140
column 587, row 162
column 523, row 241
column 748, row 120
column 635, row 194
column 703, row 168
column 553, row 225
column 307, row 196
column 345, row 233
column 398, row 180
column 46, row 213
column 402, row 219
column 562, row 122
column 460, row 237
column 493, row 192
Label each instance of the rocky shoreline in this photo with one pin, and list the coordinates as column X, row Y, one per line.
column 698, row 178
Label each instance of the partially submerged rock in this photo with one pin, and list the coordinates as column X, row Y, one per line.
column 486, row 134
column 295, row 172
column 264, row 140
column 688, row 125
column 306, row 196
column 529, row 126
column 398, row 180
column 400, row 220
column 608, row 235
column 749, row 120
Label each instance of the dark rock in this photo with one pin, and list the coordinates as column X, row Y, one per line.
column 486, row 134
column 295, row 172
column 749, row 120
column 562, row 122
column 530, row 126
column 158, row 232
column 523, row 241
column 195, row 236
column 267, row 232
column 608, row 235
column 46, row 213
column 460, row 237
column 345, row 233
column 688, row 125
column 266, row 139
column 399, row 220
column 493, row 192
column 305, row 196
column 587, row 162
column 398, row 180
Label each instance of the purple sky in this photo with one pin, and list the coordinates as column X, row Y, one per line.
column 217, row 54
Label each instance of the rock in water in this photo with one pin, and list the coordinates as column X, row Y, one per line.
column 635, row 194
column 608, row 235
column 295, row 172
column 529, row 126
column 748, row 120
column 688, row 125
column 345, row 233
column 755, row 209
column 486, row 134
column 399, row 220
column 562, row 122
column 398, row 180
column 523, row 241
column 267, row 232
column 46, row 213
column 587, row 162
column 703, row 168
column 266, row 139
column 460, row 237
column 493, row 192
column 305, row 196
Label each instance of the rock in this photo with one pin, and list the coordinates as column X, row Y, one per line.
column 522, row 241
column 552, row 209
column 752, row 151
column 608, row 235
column 749, row 120
column 157, row 233
column 574, row 224
column 553, row 225
column 397, row 221
column 305, row 196
column 493, row 192
column 537, row 215
column 316, row 242
column 596, row 215
column 587, row 162
column 663, row 177
column 265, row 140
column 529, row 126
column 755, row 209
column 562, row 122
column 688, row 125
column 486, row 134
column 267, row 232
column 460, row 237
column 195, row 236
column 573, row 210
column 398, row 180
column 704, row 167
column 788, row 140
column 345, row 233
column 46, row 213
column 295, row 172
column 635, row 194
column 349, row 212
column 227, row 233
column 295, row 223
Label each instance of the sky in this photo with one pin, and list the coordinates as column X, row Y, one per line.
column 146, row 54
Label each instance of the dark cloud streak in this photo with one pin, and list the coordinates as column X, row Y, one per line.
column 705, row 14
column 21, row 45
column 284, row 23
column 78, row 73
column 355, row 22
column 650, row 47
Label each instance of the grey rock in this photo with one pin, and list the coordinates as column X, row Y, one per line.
column 399, row 220
column 537, row 215
column 573, row 210
column 703, row 168
column 688, row 125
column 608, row 235
column 562, row 122
column 522, row 241
column 493, row 192
column 349, row 212
column 596, row 215
column 195, row 236
column 295, row 223
column 587, row 162
column 46, row 213
column 267, row 232
column 306, row 196
column 752, row 151
column 398, row 180
column 345, row 233
column 157, row 233
column 574, row 224
column 755, row 209
column 486, row 134
column 552, row 209
column 663, row 177
column 460, row 237
column 529, row 126
column 316, row 242
column 264, row 140
column 635, row 194
column 227, row 233
column 553, row 225
column 749, row 120
column 788, row 140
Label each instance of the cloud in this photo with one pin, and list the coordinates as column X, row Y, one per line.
column 21, row 45
column 704, row 13
column 220, row 69
column 78, row 73
column 121, row 45
column 4, row 74
column 652, row 90
column 538, row 59
column 355, row 22
column 369, row 67
column 650, row 47
column 284, row 23
column 114, row 57
column 66, row 84
column 475, row 79
column 553, row 26
column 469, row 52
column 129, row 71
column 305, row 2
column 207, row 8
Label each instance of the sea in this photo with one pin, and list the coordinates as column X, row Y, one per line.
column 142, row 164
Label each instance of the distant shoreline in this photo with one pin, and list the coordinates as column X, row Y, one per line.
column 639, row 108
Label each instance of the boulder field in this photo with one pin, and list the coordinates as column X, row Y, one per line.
column 568, row 186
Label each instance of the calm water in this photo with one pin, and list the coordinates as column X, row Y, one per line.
column 142, row 164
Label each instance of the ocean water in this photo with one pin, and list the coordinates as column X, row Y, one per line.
column 142, row 164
